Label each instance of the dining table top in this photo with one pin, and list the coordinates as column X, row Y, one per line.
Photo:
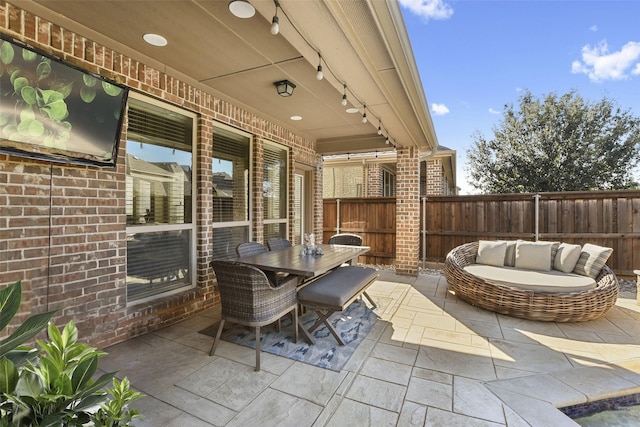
column 290, row 260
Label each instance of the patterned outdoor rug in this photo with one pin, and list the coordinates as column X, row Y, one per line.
column 353, row 324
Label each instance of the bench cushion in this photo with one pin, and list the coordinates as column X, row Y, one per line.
column 538, row 281
column 337, row 287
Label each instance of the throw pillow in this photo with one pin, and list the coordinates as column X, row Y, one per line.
column 554, row 249
column 533, row 255
column 592, row 259
column 491, row 253
column 510, row 254
column 567, row 257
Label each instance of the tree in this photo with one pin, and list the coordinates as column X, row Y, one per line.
column 557, row 144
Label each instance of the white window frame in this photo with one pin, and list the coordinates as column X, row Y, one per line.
column 284, row 220
column 133, row 229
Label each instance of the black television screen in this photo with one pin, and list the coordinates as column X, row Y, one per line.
column 56, row 111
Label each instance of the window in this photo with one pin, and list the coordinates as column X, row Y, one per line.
column 159, row 203
column 231, row 190
column 389, row 183
column 298, row 208
column 275, row 191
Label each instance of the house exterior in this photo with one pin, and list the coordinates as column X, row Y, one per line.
column 374, row 174
column 208, row 155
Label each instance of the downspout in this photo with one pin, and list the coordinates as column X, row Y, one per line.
column 337, row 216
column 424, row 232
column 537, row 217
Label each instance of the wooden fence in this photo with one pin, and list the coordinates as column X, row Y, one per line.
column 372, row 218
column 607, row 218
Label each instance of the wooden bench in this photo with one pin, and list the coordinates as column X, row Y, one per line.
column 335, row 291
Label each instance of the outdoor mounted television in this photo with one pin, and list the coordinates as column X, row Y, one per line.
column 55, row 111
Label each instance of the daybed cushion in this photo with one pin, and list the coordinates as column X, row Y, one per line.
column 538, row 281
column 592, row 259
column 491, row 253
column 567, row 257
column 533, row 255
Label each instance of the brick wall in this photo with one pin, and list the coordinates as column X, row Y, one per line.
column 345, row 181
column 374, row 180
column 64, row 227
column 436, row 182
column 407, row 210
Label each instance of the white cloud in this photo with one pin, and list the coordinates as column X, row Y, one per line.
column 492, row 111
column 439, row 109
column 636, row 70
column 429, row 9
column 600, row 64
column 593, row 28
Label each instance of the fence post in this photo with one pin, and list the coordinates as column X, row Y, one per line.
column 337, row 216
column 537, row 216
column 424, row 232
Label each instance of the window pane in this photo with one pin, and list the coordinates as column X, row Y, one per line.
column 230, row 167
column 158, row 185
column 275, row 230
column 298, row 209
column 226, row 239
column 274, row 186
column 157, row 262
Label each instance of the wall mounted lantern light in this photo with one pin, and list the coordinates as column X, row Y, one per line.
column 285, row 87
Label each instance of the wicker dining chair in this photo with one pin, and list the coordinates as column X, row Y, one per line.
column 250, row 248
column 255, row 248
column 277, row 243
column 346, row 239
column 249, row 298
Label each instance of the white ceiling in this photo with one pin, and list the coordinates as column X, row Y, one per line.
column 363, row 43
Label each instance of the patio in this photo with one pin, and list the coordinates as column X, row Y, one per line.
column 429, row 360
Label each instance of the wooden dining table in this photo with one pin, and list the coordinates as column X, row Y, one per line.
column 290, row 261
column 307, row 267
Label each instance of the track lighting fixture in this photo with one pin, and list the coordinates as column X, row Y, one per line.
column 319, row 74
column 244, row 9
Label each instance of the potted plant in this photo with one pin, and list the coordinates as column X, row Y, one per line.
column 53, row 384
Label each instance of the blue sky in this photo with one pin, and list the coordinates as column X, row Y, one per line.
column 475, row 56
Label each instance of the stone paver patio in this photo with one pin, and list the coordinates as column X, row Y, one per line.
column 430, row 360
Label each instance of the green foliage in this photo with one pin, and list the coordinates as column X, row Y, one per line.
column 54, row 386
column 557, row 144
column 115, row 413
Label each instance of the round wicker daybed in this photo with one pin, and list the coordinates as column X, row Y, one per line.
column 552, row 307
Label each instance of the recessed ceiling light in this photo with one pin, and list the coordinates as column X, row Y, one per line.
column 352, row 110
column 155, row 39
column 296, row 118
column 242, row 9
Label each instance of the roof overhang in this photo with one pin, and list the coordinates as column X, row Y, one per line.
column 363, row 44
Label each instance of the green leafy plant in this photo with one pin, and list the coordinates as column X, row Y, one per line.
column 115, row 412
column 54, row 385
